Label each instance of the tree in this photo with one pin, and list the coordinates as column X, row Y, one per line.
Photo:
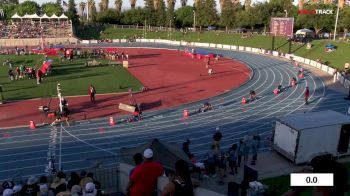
column 118, row 6
column 184, row 16
column 161, row 14
column 9, row 10
column 227, row 18
column 109, row 16
column 150, row 13
column 262, row 13
column 51, row 8
column 134, row 16
column 183, row 3
column 206, row 13
column 132, row 4
column 82, row 6
column 92, row 10
column 103, row 5
column 344, row 20
column 72, row 12
column 170, row 11
column 27, row 7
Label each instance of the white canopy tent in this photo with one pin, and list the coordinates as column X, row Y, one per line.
column 63, row 17
column 35, row 16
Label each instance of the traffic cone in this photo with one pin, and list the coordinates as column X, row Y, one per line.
column 275, row 91
column 111, row 121
column 32, row 125
column 244, row 101
column 186, row 114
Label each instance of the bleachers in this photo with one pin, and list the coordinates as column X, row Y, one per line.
column 35, row 29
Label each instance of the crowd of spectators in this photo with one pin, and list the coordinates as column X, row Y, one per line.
column 34, row 29
column 58, row 185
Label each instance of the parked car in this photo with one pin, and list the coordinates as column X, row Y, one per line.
column 239, row 30
column 211, row 28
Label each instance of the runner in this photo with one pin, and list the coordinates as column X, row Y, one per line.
column 306, row 95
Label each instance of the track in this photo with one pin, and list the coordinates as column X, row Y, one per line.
column 24, row 152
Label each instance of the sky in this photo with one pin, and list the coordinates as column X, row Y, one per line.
column 126, row 3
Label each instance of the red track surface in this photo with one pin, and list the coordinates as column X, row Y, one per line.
column 172, row 78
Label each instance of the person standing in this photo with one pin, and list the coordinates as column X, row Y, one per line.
column 306, row 95
column 232, row 159
column 254, row 146
column 179, row 184
column 92, row 92
column 246, row 149
column 143, row 180
column 240, row 152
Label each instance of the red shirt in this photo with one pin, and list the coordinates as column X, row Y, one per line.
column 307, row 93
column 144, row 178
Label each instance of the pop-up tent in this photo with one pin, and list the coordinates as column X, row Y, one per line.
column 165, row 153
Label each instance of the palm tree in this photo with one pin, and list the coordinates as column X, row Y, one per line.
column 183, row 3
column 118, row 5
column 132, row 4
column 82, row 6
column 171, row 3
column 300, row 4
column 247, row 4
column 103, row 5
column 156, row 4
column 235, row 2
column 91, row 8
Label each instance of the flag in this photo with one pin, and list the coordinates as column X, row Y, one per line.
column 64, row 3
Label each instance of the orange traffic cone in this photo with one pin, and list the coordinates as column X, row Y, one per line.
column 32, row 125
column 186, row 114
column 275, row 91
column 244, row 101
column 111, row 121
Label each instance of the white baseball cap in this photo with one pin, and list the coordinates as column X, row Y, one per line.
column 148, row 153
column 7, row 192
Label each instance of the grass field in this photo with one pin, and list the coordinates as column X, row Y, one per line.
column 73, row 76
column 281, row 184
column 335, row 59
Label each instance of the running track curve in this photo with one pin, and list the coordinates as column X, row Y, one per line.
column 83, row 144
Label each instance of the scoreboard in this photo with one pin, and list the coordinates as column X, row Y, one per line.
column 282, row 27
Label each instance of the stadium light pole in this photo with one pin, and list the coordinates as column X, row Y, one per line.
column 336, row 22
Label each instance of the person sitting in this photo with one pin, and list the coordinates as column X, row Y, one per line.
column 252, row 95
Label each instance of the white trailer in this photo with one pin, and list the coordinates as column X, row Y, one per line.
column 301, row 137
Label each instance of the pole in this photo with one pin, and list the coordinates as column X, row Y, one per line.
column 170, row 29
column 336, row 22
column 290, row 46
column 194, row 20
column 273, row 43
column 60, row 157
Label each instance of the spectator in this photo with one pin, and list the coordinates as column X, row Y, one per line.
column 90, row 189
column 246, row 149
column 85, row 180
column 17, row 190
column 44, row 190
column 31, row 188
column 76, row 190
column 240, row 152
column 137, row 160
column 211, row 162
column 186, row 148
column 216, row 140
column 62, row 190
column 232, row 159
column 7, row 185
column 180, row 184
column 143, row 180
column 254, row 146
column 222, row 168
column 7, row 192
